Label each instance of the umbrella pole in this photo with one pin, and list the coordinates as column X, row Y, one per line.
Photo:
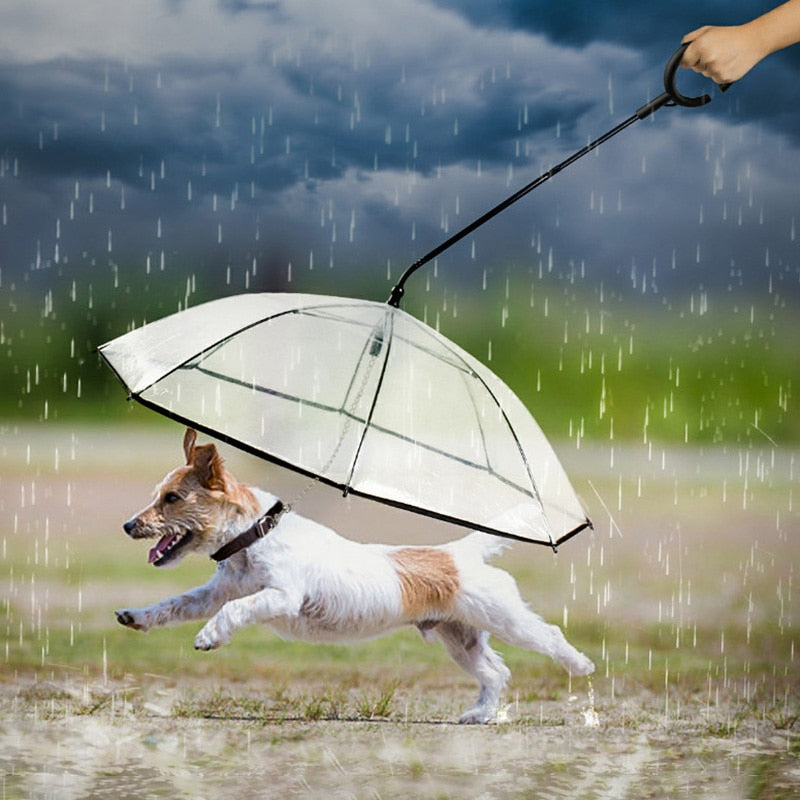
column 398, row 291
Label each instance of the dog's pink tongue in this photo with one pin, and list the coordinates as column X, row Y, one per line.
column 162, row 546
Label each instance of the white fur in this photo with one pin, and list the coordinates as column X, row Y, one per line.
column 308, row 583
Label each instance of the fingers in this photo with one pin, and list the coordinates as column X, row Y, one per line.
column 722, row 53
column 692, row 35
column 693, row 54
column 703, row 53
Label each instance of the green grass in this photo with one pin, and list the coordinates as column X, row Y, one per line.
column 282, row 704
column 628, row 370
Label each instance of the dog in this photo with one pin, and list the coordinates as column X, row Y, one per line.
column 306, row 582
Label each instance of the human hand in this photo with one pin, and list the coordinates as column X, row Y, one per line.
column 723, row 54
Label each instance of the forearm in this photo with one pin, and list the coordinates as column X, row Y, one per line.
column 776, row 29
column 726, row 53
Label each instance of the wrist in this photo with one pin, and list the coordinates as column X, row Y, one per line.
column 757, row 35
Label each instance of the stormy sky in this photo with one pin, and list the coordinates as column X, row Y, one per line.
column 270, row 139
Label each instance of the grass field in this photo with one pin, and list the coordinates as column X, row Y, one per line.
column 685, row 595
column 590, row 363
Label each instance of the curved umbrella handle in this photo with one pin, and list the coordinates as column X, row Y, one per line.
column 671, row 96
column 670, row 72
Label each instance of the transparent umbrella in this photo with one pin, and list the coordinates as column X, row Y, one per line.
column 361, row 396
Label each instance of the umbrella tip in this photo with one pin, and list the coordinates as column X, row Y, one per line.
column 396, row 296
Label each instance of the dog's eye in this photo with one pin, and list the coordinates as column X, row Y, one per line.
column 171, row 497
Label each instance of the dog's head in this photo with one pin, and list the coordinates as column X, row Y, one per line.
column 194, row 508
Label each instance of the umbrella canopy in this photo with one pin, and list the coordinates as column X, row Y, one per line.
column 362, row 396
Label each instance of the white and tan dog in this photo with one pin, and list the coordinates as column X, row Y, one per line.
column 308, row 583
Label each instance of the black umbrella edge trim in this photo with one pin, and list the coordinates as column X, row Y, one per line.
column 254, row 451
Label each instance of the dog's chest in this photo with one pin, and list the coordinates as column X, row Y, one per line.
column 335, row 590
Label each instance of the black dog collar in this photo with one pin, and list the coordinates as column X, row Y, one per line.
column 259, row 529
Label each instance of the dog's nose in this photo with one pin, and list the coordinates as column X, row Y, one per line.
column 129, row 526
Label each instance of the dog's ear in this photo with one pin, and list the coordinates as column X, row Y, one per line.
column 189, row 438
column 209, row 466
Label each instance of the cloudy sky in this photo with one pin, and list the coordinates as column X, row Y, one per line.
column 240, row 137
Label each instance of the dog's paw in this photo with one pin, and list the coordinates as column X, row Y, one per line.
column 576, row 663
column 479, row 715
column 583, row 665
column 130, row 619
column 208, row 638
column 203, row 642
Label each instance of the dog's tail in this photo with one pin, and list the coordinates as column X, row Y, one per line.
column 486, row 545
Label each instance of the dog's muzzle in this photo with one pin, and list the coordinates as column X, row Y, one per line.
column 137, row 529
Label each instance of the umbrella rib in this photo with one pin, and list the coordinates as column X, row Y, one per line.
column 309, row 310
column 273, row 392
column 387, row 344
column 489, row 467
column 534, row 489
column 521, row 451
column 367, row 344
column 335, row 410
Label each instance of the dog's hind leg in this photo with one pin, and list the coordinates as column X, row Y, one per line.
column 469, row 648
column 530, row 632
column 498, row 608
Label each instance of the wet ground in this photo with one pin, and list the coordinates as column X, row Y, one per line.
column 685, row 595
column 103, row 757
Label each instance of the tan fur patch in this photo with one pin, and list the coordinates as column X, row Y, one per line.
column 428, row 580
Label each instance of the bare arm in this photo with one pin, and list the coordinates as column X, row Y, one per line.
column 725, row 54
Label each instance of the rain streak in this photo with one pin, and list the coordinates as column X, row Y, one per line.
column 642, row 305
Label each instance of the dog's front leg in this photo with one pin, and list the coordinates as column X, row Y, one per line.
column 262, row 606
column 197, row 603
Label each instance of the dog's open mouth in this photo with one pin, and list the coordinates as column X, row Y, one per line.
column 168, row 547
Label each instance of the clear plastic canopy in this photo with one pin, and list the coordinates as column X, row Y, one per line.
column 362, row 396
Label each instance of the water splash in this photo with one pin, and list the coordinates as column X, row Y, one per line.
column 591, row 719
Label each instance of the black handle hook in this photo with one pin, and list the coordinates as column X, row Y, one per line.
column 669, row 82
column 671, row 94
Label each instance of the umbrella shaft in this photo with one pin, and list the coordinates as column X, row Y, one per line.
column 398, row 290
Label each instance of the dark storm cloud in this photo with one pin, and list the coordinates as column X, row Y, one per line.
column 576, row 22
column 655, row 29
column 218, row 133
